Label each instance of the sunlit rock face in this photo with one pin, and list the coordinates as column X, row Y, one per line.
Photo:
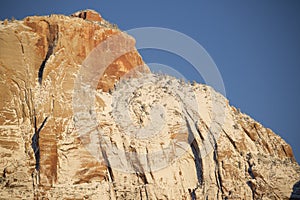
column 82, row 117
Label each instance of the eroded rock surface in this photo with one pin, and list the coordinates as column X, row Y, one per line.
column 44, row 154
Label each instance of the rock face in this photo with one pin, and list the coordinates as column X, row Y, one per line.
column 200, row 146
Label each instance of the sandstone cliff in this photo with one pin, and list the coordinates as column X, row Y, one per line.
column 49, row 150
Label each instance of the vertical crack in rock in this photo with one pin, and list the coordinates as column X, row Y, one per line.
column 194, row 144
column 146, row 192
column 136, row 164
column 52, row 38
column 217, row 167
column 248, row 134
column 149, row 164
column 21, row 44
column 230, row 140
column 193, row 194
column 213, row 142
column 197, row 155
column 250, row 164
column 110, row 172
column 29, row 103
column 250, row 184
column 110, row 175
column 217, row 170
column 198, row 161
column 35, row 142
column 199, row 132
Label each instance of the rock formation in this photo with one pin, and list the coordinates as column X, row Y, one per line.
column 202, row 148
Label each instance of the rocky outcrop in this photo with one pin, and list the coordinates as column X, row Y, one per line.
column 202, row 148
column 88, row 15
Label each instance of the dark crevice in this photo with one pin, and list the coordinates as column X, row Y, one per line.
column 250, row 184
column 198, row 161
column 231, row 140
column 217, row 168
column 247, row 133
column 215, row 157
column 110, row 172
column 193, row 194
column 141, row 195
column 257, row 130
column 52, row 38
column 35, row 142
column 143, row 177
column 196, row 152
column 22, row 47
column 148, row 162
column 194, row 146
column 110, row 175
column 147, row 197
column 4, row 173
column 151, row 174
column 283, row 149
column 82, row 15
column 199, row 132
column 217, row 171
column 136, row 164
column 250, row 172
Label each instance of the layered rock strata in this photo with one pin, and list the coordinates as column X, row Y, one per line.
column 208, row 150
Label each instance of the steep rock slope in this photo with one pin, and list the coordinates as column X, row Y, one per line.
column 201, row 148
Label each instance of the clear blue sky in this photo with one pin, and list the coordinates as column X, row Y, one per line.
column 255, row 44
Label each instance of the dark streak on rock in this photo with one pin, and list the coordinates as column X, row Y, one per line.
column 217, row 166
column 107, row 164
column 193, row 194
column 197, row 154
column 22, row 47
column 217, row 171
column 249, row 183
column 230, row 140
column 149, row 164
column 136, row 164
column 35, row 142
column 147, row 197
column 250, row 172
column 52, row 38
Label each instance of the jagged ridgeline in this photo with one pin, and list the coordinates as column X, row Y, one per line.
column 151, row 136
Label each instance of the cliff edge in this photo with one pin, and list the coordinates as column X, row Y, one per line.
column 203, row 148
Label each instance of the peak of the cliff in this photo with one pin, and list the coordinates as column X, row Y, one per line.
column 88, row 14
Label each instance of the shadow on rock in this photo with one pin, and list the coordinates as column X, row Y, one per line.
column 296, row 191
